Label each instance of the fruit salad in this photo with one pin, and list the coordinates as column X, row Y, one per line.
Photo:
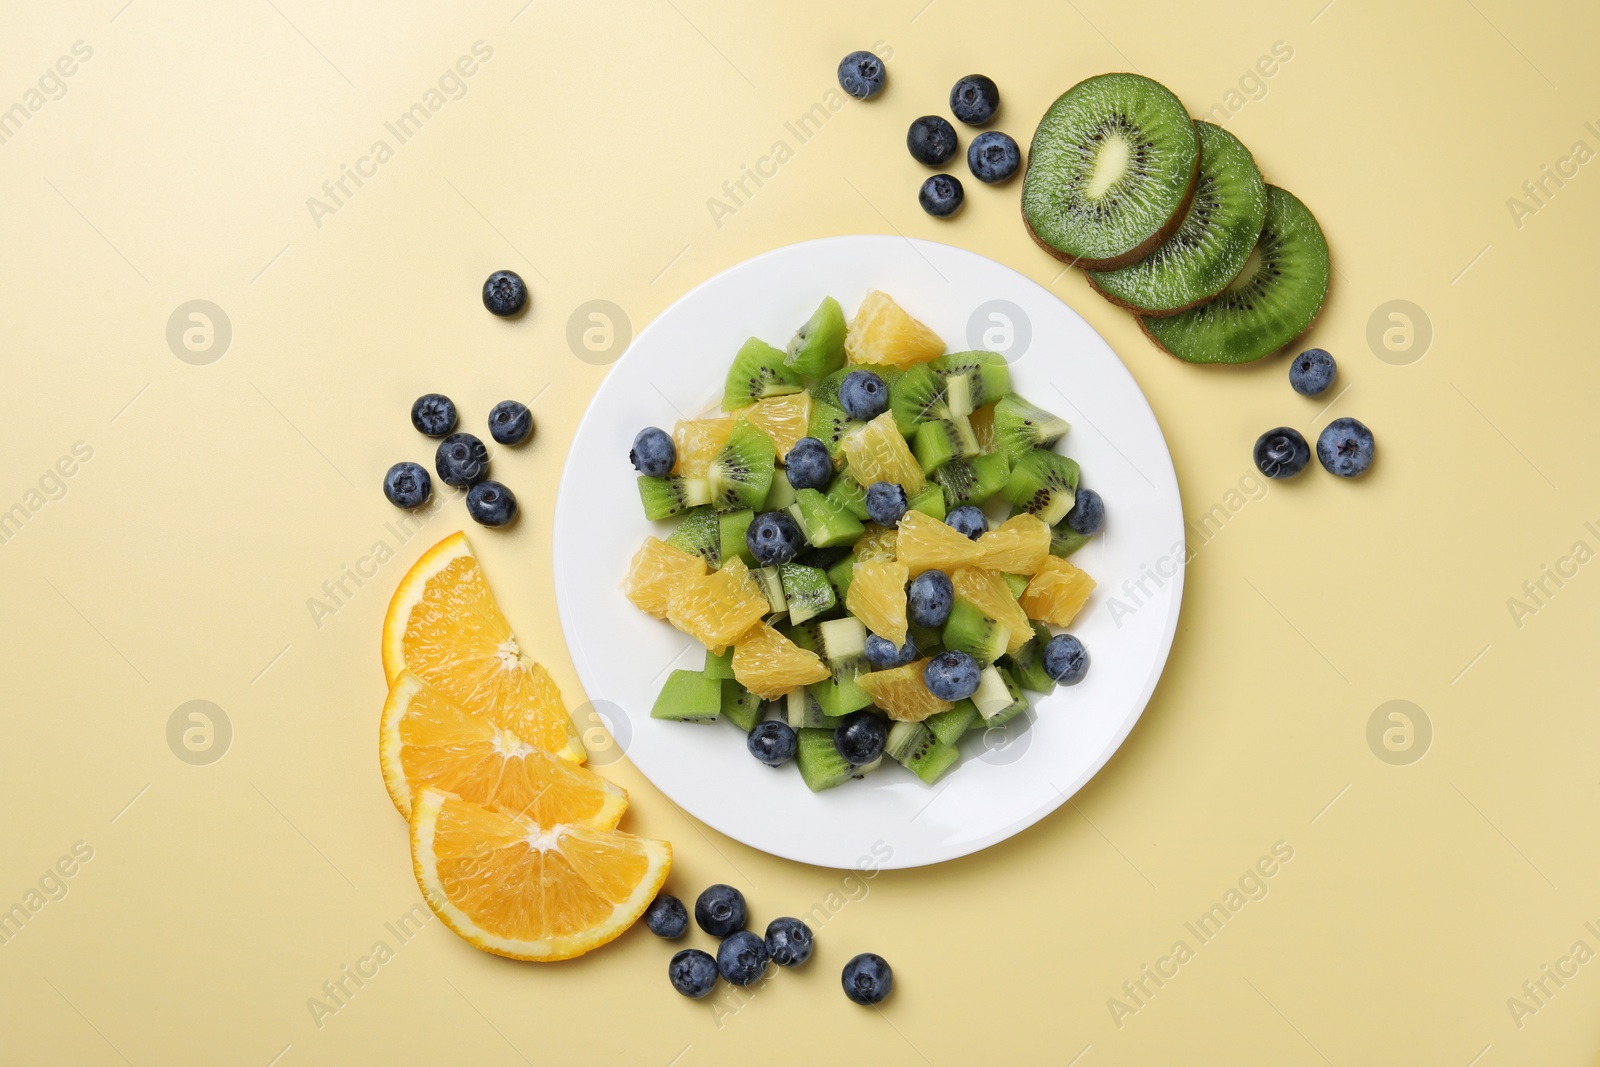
column 871, row 540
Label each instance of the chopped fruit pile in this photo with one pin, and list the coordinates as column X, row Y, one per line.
column 832, row 551
column 513, row 842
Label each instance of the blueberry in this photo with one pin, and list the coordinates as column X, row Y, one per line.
column 808, row 464
column 867, row 978
column 461, row 460
column 1312, row 371
column 720, row 910
column 666, row 917
column 861, row 74
column 491, row 504
column 433, row 414
column 974, row 99
column 941, row 195
column 1282, row 453
column 510, row 422
column 886, row 502
column 951, row 675
column 993, row 157
column 773, row 538
column 653, row 452
column 504, row 293
column 772, row 742
column 931, row 140
column 1088, row 513
column 407, row 485
column 1345, row 447
column 860, row 737
column 882, row 654
column 789, row 941
column 929, row 599
column 967, row 520
column 693, row 972
column 1065, row 659
column 863, row 395
column 742, row 957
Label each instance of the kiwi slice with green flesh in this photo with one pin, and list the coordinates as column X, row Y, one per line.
column 1017, row 583
column 699, row 534
column 972, row 481
column 719, row 665
column 948, row 726
column 807, row 635
column 1213, row 240
column 839, row 574
column 1042, row 483
column 847, row 493
column 758, row 371
column 802, row 712
column 807, row 591
column 817, row 348
column 740, row 706
column 1026, row 664
column 781, row 494
column 956, row 383
column 939, row 441
column 1110, row 172
column 931, row 765
column 689, row 696
column 731, row 529
column 771, row 585
column 1269, row 304
column 1064, row 540
column 930, row 502
column 840, row 695
column 825, row 523
column 969, row 629
column 673, row 495
column 843, row 641
column 1020, row 426
column 829, row 424
column 740, row 475
column 908, row 741
column 996, row 697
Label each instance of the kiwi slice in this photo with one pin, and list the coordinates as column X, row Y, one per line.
column 826, row 523
column 847, row 493
column 719, row 665
column 994, row 697
column 954, row 384
column 839, row 574
column 969, row 629
column 1020, row 426
column 948, row 726
column 806, row 635
column 818, row 347
column 932, row 764
column 840, row 695
column 1269, row 304
column 731, row 542
column 807, row 591
column 740, row 706
column 972, row 481
column 844, row 641
column 937, row 442
column 1043, row 484
column 821, row 766
column 1026, row 664
column 908, row 741
column 780, row 495
column 930, row 502
column 699, row 534
column 1064, row 540
column 758, row 371
column 1110, row 172
column 689, row 696
column 741, row 473
column 1213, row 240
column 673, row 495
column 802, row 712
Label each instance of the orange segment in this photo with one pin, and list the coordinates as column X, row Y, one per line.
column 717, row 608
column 877, row 596
column 784, row 418
column 444, row 626
column 882, row 332
column 1017, row 546
column 988, row 591
column 427, row 739
column 878, row 453
column 657, row 571
column 699, row 441
column 1056, row 592
column 769, row 664
column 926, row 543
column 876, row 543
column 515, row 887
column 901, row 693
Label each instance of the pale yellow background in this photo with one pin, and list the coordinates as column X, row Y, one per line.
column 219, row 498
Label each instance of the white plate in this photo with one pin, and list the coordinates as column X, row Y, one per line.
column 1008, row 779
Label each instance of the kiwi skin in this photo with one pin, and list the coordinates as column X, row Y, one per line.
column 1134, row 255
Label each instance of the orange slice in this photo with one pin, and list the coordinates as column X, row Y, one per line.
column 784, row 418
column 444, row 626
column 901, row 692
column 716, row 609
column 514, row 887
column 699, row 441
column 769, row 664
column 882, row 332
column 1056, row 593
column 926, row 543
column 876, row 543
column 877, row 596
column 988, row 591
column 427, row 739
column 878, row 453
column 658, row 570
column 1017, row 546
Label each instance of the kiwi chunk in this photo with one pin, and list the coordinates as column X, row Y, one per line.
column 780, row 495
column 840, row 573
column 844, row 641
column 995, row 697
column 731, row 542
column 719, row 665
column 821, row 766
column 972, row 481
column 829, row 424
column 1269, row 304
column 699, row 534
column 1020, row 426
column 826, row 523
column 1043, row 484
column 1213, row 240
column 1110, row 172
column 689, row 696
column 908, row 741
column 807, row 591
column 1026, row 664
column 930, row 502
column 941, row 440
column 665, row 497
column 1064, row 540
column 740, row 706
column 758, row 371
column 847, row 493
column 970, row 630
column 948, row 726
column 955, row 384
column 840, row 695
column 818, row 347
column 740, row 474
column 931, row 765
